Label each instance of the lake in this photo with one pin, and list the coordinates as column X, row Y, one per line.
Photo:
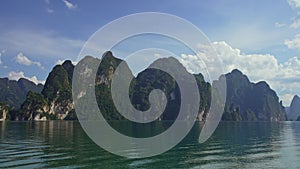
column 63, row 144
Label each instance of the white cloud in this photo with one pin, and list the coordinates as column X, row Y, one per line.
column 69, row 5
column 59, row 62
column 23, row 60
column 0, row 58
column 17, row 75
column 284, row 78
column 294, row 43
column 294, row 3
column 258, row 65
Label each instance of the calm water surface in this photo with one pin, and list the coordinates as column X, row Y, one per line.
column 63, row 144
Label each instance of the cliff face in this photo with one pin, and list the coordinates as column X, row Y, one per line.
column 251, row 101
column 294, row 109
column 37, row 107
column 55, row 100
column 3, row 112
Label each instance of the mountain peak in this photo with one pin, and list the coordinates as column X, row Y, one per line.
column 296, row 97
column 238, row 78
column 67, row 63
column 236, row 71
column 108, row 54
column 23, row 79
column 296, row 100
column 294, row 110
column 262, row 84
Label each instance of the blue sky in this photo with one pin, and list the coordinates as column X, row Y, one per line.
column 37, row 34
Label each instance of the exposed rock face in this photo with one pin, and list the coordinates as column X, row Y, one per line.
column 294, row 109
column 36, row 107
column 61, row 109
column 251, row 101
column 3, row 112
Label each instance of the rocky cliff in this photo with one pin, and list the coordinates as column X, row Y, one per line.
column 55, row 100
column 251, row 101
column 294, row 110
column 3, row 112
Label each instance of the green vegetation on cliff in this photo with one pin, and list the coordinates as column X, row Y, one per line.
column 55, row 100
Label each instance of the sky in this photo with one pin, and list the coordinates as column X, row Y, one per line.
column 259, row 37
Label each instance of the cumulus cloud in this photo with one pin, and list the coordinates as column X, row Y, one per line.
column 59, row 62
column 258, row 65
column 17, row 75
column 69, row 5
column 294, row 43
column 294, row 3
column 284, row 78
column 23, row 60
column 0, row 58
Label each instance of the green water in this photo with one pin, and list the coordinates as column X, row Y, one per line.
column 63, row 144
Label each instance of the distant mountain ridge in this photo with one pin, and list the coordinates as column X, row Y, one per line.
column 13, row 93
